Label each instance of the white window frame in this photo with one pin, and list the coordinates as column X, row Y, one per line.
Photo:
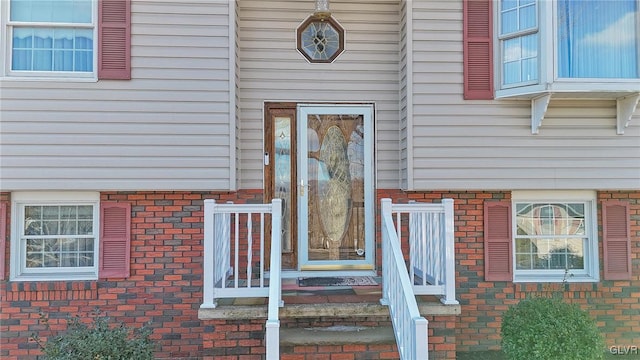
column 591, row 272
column 548, row 81
column 7, row 40
column 18, row 269
column 536, row 30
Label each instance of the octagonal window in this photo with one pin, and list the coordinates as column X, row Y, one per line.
column 320, row 41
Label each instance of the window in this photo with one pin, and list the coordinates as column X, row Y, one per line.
column 56, row 237
column 554, row 237
column 51, row 38
column 597, row 39
column 519, row 42
column 588, row 42
column 320, row 40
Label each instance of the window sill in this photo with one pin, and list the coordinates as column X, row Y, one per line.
column 626, row 95
column 91, row 79
column 55, row 277
column 539, row 278
column 563, row 89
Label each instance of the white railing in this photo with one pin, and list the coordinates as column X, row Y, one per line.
column 272, row 327
column 409, row 327
column 430, row 235
column 234, row 251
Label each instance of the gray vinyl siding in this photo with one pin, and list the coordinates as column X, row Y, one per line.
column 471, row 145
column 168, row 128
column 271, row 69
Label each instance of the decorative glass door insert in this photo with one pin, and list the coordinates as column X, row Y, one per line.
column 335, row 187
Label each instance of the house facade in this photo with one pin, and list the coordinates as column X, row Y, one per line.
column 120, row 117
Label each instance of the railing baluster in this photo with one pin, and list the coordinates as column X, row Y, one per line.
column 424, row 250
column 236, row 262
column 249, row 248
column 262, row 249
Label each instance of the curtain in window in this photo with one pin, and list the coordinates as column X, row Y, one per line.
column 50, row 49
column 597, row 39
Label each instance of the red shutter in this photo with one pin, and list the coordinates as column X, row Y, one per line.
column 3, row 238
column 497, row 241
column 114, row 39
column 617, row 240
column 478, row 50
column 115, row 239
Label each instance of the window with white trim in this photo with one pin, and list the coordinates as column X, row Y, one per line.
column 567, row 45
column 554, row 237
column 49, row 38
column 55, row 236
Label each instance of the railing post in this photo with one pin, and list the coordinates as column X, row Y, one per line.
column 450, row 261
column 421, row 332
column 272, row 327
column 385, row 209
column 276, row 240
column 272, row 331
column 208, row 262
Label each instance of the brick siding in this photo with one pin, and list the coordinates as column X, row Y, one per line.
column 165, row 287
column 615, row 305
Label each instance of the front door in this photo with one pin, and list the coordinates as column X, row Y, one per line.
column 319, row 160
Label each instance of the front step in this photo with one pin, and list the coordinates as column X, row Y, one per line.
column 341, row 339
column 337, row 335
column 255, row 308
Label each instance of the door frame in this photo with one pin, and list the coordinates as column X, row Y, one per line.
column 292, row 260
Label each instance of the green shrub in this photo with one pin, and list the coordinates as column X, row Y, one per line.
column 548, row 328
column 97, row 341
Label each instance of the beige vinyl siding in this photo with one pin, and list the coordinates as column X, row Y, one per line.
column 271, row 69
column 168, row 128
column 406, row 84
column 467, row 145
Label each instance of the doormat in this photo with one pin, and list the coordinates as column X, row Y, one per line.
column 337, row 281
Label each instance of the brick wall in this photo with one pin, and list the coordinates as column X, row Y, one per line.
column 614, row 304
column 165, row 286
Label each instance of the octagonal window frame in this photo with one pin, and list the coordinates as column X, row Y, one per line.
column 336, row 26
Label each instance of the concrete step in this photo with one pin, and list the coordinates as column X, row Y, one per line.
column 337, row 335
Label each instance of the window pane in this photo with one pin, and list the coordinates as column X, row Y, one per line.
column 69, row 260
column 517, row 16
column 528, row 18
column 50, row 228
column 52, row 49
column 520, row 59
column 598, row 39
column 69, row 242
column 509, row 22
column 85, row 212
column 551, row 219
column 64, row 11
column 85, row 259
column 523, row 262
column 68, row 227
column 546, row 236
column 509, row 4
column 68, row 212
column 85, row 227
